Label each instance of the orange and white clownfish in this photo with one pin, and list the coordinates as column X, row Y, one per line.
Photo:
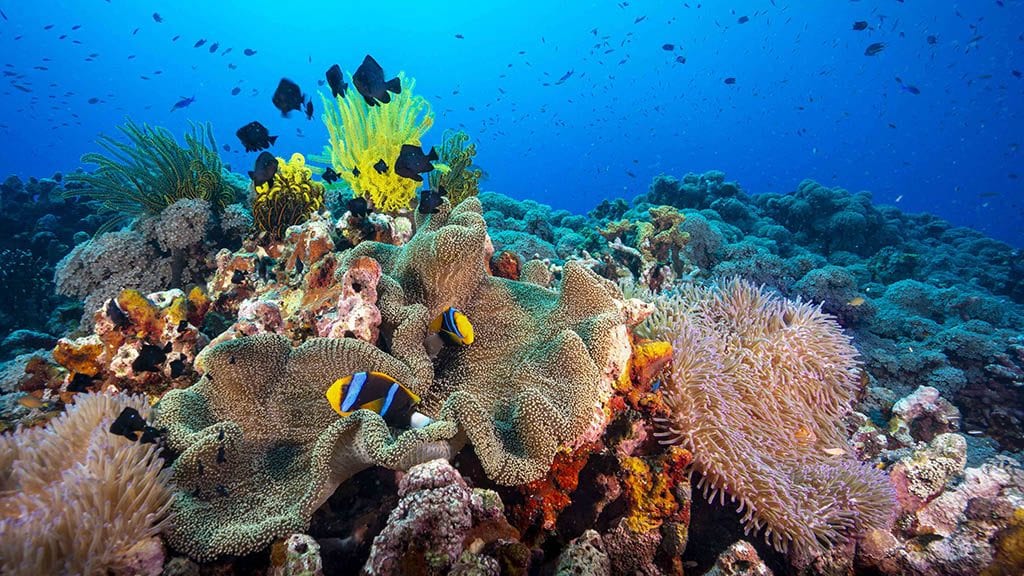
column 453, row 327
column 380, row 393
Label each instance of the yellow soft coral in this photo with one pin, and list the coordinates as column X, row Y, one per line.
column 362, row 135
column 289, row 199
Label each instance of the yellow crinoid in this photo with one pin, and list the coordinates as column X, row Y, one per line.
column 362, row 136
column 290, row 198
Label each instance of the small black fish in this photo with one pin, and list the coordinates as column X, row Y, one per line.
column 309, row 109
column 355, row 172
column 336, row 80
column 299, row 266
column 220, row 455
column 150, row 358
column 932, row 39
column 255, row 136
column 238, row 276
column 266, row 168
column 668, row 47
column 330, row 176
column 681, row 59
column 369, row 81
column 249, row 52
column 430, row 200
column 226, row 148
column 875, row 48
column 199, row 43
column 129, row 423
column 381, row 166
column 177, row 367
column 358, row 207
column 730, row 80
column 288, row 96
column 460, row 36
column 221, row 490
column 263, row 267
column 742, row 20
column 412, row 161
column 860, row 25
column 235, row 91
column 157, row 17
column 214, row 47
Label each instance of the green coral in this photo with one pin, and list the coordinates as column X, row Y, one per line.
column 151, row 171
column 462, row 179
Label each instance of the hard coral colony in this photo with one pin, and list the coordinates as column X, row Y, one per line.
column 487, row 386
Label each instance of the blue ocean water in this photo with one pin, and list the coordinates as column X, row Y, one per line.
column 807, row 101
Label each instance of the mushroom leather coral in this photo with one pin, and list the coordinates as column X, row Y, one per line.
column 536, row 374
column 533, row 380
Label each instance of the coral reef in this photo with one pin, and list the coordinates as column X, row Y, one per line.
column 362, row 135
column 144, row 344
column 76, row 499
column 289, row 199
column 562, row 350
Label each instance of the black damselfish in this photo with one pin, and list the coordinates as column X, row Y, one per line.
column 369, row 81
column 129, row 423
column 255, row 137
column 430, row 200
column 412, row 161
column 330, row 176
column 288, row 96
column 266, row 168
column 336, row 81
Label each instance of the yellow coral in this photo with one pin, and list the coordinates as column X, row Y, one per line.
column 289, row 199
column 648, row 494
column 1009, row 556
column 362, row 135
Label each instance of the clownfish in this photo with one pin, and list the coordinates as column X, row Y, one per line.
column 380, row 393
column 453, row 327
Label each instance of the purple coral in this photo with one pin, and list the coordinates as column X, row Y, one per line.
column 430, row 524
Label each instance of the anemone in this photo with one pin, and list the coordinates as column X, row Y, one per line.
column 150, row 171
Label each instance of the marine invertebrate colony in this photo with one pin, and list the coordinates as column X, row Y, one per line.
column 363, row 136
column 151, row 171
column 76, row 499
column 533, row 380
column 289, row 199
column 757, row 387
column 462, row 179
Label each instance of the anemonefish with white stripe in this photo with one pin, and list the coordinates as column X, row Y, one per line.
column 380, row 393
column 453, row 327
